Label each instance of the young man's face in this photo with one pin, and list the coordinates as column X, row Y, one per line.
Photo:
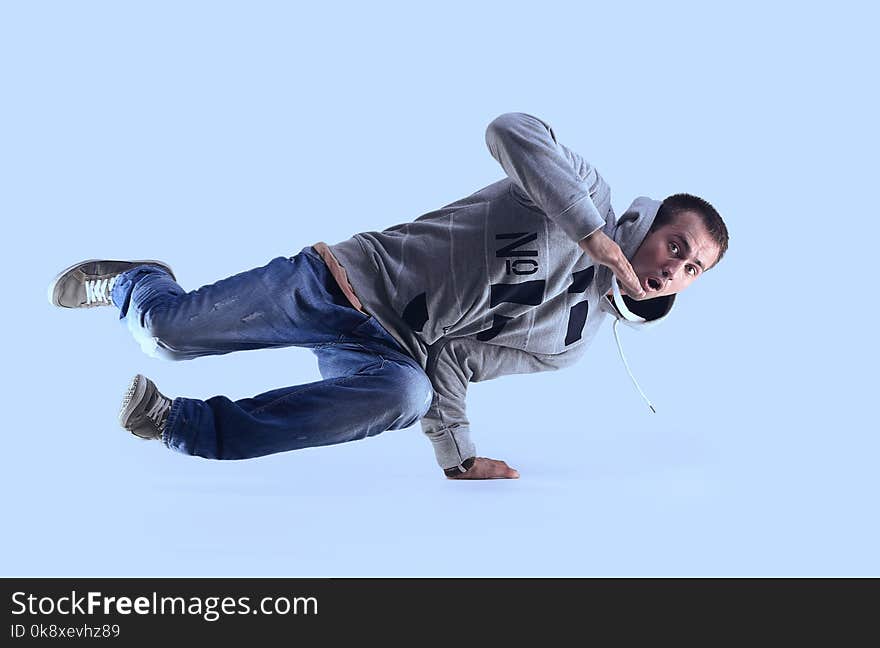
column 674, row 256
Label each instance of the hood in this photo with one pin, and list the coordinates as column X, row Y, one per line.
column 628, row 232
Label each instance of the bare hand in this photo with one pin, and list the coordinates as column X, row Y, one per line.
column 604, row 250
column 484, row 468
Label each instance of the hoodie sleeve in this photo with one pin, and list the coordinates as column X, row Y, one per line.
column 452, row 364
column 554, row 177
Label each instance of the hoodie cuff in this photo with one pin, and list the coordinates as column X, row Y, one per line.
column 580, row 219
column 453, row 446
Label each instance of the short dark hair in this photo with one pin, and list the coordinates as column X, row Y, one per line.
column 677, row 203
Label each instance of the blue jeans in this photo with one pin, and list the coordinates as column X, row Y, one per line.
column 371, row 384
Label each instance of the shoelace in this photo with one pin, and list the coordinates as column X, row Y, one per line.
column 98, row 290
column 158, row 411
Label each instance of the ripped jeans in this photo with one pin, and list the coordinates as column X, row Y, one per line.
column 371, row 384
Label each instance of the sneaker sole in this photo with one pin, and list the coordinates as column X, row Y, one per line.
column 133, row 397
column 61, row 274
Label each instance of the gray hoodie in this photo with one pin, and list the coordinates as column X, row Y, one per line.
column 495, row 283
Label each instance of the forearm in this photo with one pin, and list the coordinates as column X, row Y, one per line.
column 451, row 442
column 549, row 173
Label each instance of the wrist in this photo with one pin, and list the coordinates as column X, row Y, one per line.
column 463, row 467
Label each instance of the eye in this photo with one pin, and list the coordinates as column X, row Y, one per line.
column 692, row 270
column 674, row 247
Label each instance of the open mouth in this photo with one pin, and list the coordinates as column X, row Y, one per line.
column 653, row 283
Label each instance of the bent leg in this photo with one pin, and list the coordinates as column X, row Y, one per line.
column 283, row 303
column 376, row 392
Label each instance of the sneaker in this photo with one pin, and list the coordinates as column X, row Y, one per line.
column 144, row 410
column 89, row 283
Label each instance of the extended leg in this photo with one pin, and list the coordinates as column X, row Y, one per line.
column 283, row 303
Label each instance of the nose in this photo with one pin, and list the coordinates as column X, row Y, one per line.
column 671, row 268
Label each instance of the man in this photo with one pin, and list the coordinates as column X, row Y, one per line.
column 515, row 278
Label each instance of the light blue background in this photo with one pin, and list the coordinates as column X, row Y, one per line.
column 216, row 136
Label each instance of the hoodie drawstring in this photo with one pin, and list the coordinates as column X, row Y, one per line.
column 632, row 317
column 626, row 365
